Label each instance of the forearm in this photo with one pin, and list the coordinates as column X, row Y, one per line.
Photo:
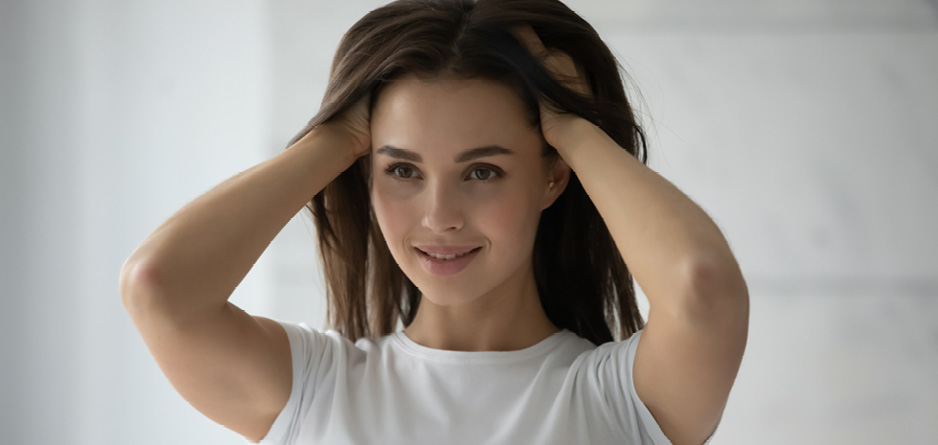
column 195, row 259
column 666, row 240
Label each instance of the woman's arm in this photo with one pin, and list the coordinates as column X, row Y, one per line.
column 666, row 240
column 233, row 367
column 193, row 261
column 692, row 345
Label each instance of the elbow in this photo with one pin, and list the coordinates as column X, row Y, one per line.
column 137, row 277
column 717, row 289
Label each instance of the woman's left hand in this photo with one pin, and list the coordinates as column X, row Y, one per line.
column 555, row 124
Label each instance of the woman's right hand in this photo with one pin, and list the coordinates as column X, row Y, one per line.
column 356, row 124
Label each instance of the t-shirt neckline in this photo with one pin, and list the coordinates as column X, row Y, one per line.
column 444, row 355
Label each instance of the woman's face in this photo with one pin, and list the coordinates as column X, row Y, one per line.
column 456, row 164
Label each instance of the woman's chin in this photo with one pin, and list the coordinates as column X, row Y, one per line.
column 446, row 295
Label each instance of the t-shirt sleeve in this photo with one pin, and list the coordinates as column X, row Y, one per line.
column 310, row 351
column 614, row 363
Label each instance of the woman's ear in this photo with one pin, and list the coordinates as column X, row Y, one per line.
column 557, row 178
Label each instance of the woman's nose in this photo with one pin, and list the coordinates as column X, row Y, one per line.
column 443, row 208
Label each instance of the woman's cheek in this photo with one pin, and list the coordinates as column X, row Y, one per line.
column 506, row 215
column 390, row 211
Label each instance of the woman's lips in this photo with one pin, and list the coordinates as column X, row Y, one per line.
column 438, row 266
column 446, row 249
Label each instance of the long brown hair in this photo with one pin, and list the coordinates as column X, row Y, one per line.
column 583, row 283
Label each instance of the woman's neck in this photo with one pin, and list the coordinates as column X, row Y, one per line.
column 509, row 318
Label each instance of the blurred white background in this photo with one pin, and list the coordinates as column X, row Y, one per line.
column 808, row 130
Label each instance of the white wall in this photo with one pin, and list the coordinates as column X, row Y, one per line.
column 805, row 129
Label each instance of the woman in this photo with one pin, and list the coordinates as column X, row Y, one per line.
column 474, row 177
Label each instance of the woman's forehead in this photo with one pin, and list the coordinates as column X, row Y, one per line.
column 417, row 115
column 447, row 97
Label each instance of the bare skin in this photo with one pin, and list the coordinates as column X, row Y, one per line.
column 235, row 368
column 493, row 202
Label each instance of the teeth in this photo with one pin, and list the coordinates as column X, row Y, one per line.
column 446, row 257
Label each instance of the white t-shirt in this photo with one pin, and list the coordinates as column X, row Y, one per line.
column 563, row 390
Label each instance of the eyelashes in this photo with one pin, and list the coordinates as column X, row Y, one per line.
column 409, row 170
column 393, row 169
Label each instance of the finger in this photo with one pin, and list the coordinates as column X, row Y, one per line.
column 568, row 72
column 559, row 64
column 526, row 35
column 562, row 64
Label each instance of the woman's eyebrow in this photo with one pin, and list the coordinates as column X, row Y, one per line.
column 466, row 156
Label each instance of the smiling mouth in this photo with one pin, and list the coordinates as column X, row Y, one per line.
column 449, row 256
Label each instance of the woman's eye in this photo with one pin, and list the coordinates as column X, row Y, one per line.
column 488, row 173
column 395, row 169
column 406, row 172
